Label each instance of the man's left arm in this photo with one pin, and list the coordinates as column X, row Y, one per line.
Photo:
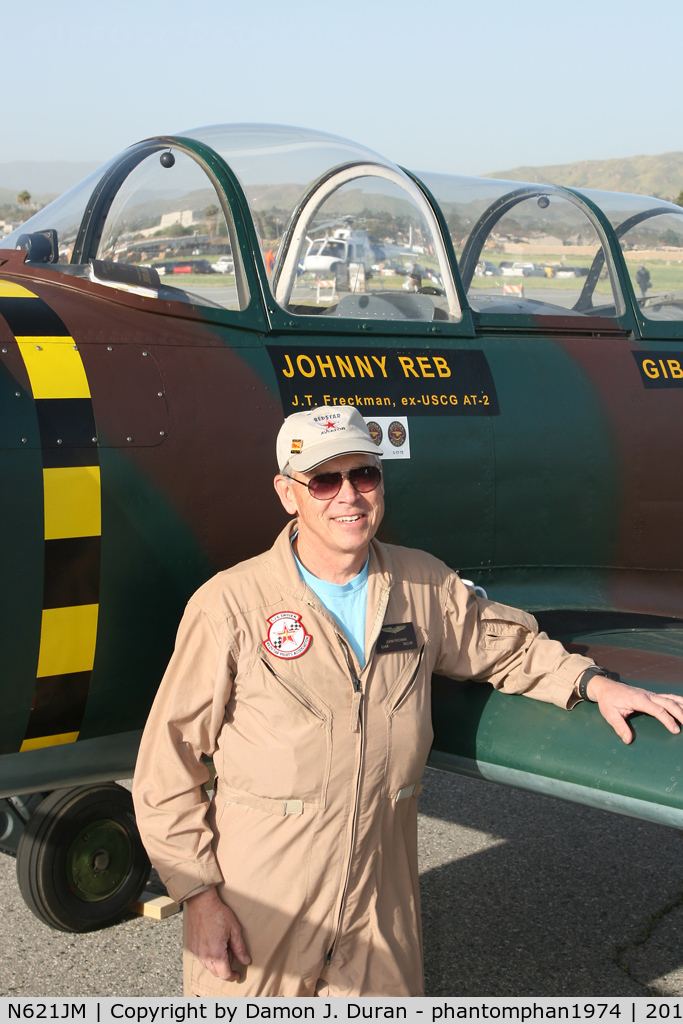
column 490, row 642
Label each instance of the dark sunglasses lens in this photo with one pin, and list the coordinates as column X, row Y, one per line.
column 365, row 478
column 326, row 485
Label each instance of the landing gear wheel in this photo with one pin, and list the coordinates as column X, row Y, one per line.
column 80, row 860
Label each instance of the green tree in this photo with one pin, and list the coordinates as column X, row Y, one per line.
column 24, row 199
column 271, row 223
column 671, row 238
column 211, row 213
column 679, row 198
column 174, row 231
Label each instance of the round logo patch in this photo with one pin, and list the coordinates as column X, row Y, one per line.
column 375, row 432
column 287, row 637
column 397, row 434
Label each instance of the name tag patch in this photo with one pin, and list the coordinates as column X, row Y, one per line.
column 397, row 637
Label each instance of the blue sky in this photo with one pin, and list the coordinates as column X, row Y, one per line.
column 442, row 85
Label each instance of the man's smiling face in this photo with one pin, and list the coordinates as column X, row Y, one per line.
column 341, row 527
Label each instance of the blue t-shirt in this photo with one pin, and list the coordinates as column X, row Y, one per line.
column 346, row 602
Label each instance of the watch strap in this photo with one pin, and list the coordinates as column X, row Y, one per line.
column 585, row 680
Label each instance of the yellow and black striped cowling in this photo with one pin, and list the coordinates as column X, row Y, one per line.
column 72, row 516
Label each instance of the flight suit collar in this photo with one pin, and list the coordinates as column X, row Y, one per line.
column 283, row 564
column 380, row 580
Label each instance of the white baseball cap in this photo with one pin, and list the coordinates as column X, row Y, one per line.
column 307, row 439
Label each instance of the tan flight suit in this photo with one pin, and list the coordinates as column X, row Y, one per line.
column 312, row 836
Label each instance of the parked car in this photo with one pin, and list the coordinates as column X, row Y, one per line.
column 224, row 265
column 485, row 268
column 522, row 269
column 556, row 269
column 531, row 269
column 564, row 271
column 183, row 267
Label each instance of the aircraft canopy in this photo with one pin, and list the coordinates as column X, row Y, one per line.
column 344, row 232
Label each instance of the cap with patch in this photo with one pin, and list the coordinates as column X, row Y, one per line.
column 309, row 438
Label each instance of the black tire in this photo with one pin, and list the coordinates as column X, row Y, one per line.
column 80, row 860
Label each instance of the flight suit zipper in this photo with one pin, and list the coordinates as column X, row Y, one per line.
column 356, row 726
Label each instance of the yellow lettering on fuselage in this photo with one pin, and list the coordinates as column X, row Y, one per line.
column 354, row 365
column 344, row 363
column 325, row 364
column 310, row 372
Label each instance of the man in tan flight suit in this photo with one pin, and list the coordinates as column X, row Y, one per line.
column 305, row 674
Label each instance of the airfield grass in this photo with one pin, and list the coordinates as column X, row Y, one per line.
column 205, row 280
column 665, row 275
column 555, row 284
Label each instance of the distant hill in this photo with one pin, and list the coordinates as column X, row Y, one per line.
column 45, row 181
column 651, row 175
column 54, row 176
column 660, row 176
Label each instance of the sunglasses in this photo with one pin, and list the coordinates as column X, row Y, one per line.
column 328, row 485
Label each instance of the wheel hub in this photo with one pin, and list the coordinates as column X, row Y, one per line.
column 99, row 860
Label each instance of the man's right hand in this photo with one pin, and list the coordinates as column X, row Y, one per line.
column 214, row 934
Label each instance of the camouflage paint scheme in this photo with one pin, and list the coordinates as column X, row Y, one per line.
column 567, row 502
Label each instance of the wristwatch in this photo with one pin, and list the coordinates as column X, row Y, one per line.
column 585, row 680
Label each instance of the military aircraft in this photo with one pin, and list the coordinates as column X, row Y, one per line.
column 531, row 430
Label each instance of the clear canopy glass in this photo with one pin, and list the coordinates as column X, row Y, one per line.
column 167, row 234
column 277, row 164
column 650, row 232
column 64, row 215
column 526, row 248
column 343, row 231
column 170, row 219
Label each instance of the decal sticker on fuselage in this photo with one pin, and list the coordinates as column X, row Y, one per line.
column 660, row 369
column 388, row 382
column 390, row 433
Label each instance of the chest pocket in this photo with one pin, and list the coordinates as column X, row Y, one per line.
column 407, row 708
column 278, row 740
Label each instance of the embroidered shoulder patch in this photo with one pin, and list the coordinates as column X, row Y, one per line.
column 287, row 636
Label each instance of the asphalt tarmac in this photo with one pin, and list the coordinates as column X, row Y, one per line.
column 522, row 895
